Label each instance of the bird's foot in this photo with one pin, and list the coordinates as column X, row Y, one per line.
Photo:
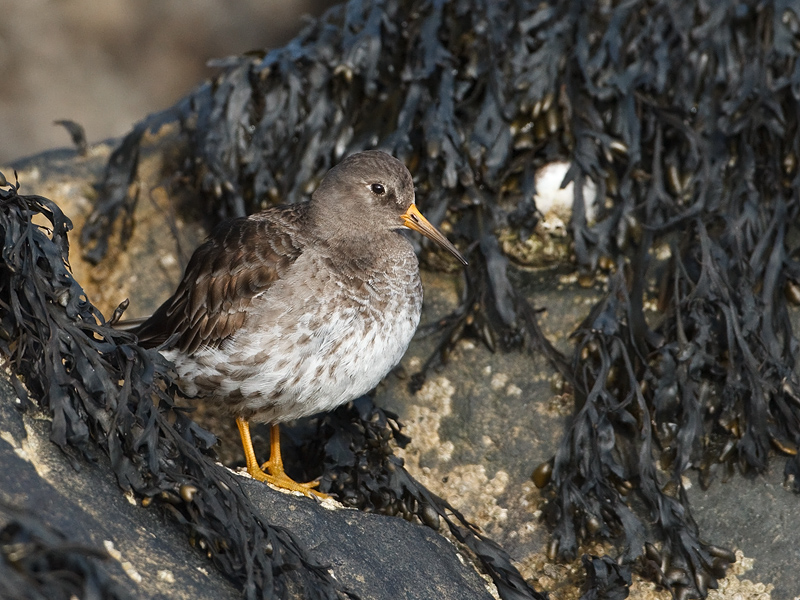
column 272, row 471
column 279, row 478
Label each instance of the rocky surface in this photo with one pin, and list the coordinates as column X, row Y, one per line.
column 479, row 426
column 152, row 555
column 376, row 557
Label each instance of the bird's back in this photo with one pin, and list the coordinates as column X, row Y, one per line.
column 240, row 260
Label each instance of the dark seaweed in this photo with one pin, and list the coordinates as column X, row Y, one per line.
column 353, row 444
column 76, row 133
column 107, row 395
column 685, row 116
column 605, row 579
column 38, row 562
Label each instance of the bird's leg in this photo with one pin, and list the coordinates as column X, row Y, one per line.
column 276, row 476
column 249, row 452
column 275, row 463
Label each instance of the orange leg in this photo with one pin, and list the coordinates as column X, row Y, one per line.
column 276, row 475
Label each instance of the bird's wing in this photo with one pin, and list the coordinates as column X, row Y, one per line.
column 240, row 260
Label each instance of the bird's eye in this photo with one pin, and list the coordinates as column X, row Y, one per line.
column 377, row 189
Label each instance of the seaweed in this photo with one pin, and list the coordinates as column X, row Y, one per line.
column 76, row 133
column 38, row 562
column 685, row 117
column 354, row 445
column 606, row 580
column 108, row 396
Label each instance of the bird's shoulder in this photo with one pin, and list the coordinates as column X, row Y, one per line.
column 239, row 261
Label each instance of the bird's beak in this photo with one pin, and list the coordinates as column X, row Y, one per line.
column 413, row 219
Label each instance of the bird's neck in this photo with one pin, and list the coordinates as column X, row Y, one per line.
column 377, row 252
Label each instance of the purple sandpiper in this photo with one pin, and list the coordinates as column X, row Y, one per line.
column 298, row 309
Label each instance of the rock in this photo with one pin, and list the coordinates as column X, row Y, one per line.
column 375, row 557
column 89, row 508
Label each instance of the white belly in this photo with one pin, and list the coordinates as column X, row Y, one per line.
column 310, row 355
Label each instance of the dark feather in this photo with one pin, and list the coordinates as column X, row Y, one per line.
column 223, row 276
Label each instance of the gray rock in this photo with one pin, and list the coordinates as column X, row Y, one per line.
column 375, row 557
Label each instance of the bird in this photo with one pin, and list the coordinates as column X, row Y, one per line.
column 299, row 308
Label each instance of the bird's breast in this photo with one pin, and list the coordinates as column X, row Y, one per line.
column 315, row 340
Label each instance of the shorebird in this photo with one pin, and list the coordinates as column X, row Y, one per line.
column 298, row 309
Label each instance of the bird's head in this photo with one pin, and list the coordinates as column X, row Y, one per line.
column 373, row 190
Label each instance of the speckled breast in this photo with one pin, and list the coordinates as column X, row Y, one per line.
column 312, row 342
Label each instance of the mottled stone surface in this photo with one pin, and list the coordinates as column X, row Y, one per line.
column 758, row 516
